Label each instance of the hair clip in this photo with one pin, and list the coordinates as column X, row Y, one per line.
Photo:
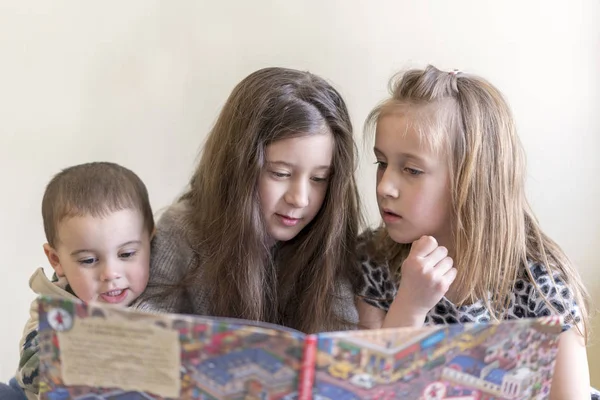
column 454, row 72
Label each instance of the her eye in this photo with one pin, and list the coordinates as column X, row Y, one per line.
column 413, row 171
column 319, row 179
column 381, row 164
column 280, row 174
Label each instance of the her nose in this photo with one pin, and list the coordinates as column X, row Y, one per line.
column 387, row 186
column 297, row 194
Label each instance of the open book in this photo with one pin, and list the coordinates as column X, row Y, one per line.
column 97, row 351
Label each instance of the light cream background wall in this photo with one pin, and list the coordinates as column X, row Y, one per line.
column 139, row 82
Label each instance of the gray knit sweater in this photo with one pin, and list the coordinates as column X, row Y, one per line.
column 172, row 257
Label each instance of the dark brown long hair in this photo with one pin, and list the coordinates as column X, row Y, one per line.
column 293, row 283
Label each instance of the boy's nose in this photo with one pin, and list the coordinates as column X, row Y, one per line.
column 109, row 273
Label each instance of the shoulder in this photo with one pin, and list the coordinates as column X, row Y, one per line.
column 172, row 256
column 172, row 245
column 539, row 291
column 175, row 224
column 57, row 287
column 367, row 247
column 377, row 285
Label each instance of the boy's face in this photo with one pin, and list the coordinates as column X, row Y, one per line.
column 104, row 259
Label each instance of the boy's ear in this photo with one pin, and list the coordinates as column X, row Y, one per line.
column 152, row 233
column 53, row 259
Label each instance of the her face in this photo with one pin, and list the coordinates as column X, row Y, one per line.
column 293, row 183
column 413, row 183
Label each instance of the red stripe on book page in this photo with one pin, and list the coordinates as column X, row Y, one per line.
column 307, row 373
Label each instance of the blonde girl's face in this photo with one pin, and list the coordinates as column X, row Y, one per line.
column 413, row 183
column 293, row 183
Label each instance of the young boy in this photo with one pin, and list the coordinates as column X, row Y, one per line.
column 98, row 224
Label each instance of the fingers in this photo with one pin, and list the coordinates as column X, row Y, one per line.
column 450, row 275
column 428, row 265
column 424, row 246
column 444, row 272
column 448, row 278
column 436, row 256
column 427, row 274
column 443, row 266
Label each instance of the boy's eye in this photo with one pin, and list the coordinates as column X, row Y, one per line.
column 128, row 254
column 87, row 261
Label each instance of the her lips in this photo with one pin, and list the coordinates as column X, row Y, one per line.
column 287, row 220
column 388, row 211
column 390, row 217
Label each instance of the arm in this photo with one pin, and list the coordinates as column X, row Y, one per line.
column 398, row 316
column 369, row 317
column 27, row 375
column 571, row 378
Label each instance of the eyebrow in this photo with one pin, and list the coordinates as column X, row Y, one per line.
column 405, row 155
column 287, row 164
column 76, row 252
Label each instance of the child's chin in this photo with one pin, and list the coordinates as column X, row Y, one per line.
column 401, row 237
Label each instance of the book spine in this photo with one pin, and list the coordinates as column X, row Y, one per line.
column 307, row 371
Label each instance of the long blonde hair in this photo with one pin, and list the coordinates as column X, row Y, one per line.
column 296, row 283
column 494, row 230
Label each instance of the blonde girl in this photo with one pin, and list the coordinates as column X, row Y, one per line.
column 459, row 242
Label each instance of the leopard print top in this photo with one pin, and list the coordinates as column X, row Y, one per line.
column 378, row 288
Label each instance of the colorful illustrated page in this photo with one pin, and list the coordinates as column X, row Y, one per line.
column 98, row 352
column 510, row 360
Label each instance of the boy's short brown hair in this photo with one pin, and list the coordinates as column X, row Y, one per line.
column 95, row 189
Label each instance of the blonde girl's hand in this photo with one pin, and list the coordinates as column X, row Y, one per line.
column 427, row 274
